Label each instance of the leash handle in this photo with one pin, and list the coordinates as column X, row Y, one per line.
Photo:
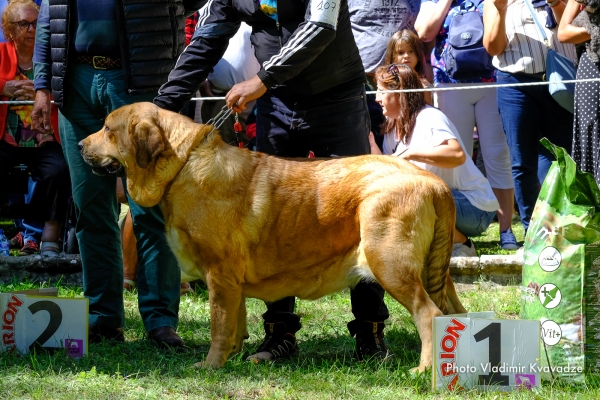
column 237, row 127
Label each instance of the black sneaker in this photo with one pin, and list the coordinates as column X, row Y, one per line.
column 280, row 340
column 370, row 342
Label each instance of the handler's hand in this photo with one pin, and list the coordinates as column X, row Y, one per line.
column 243, row 92
column 40, row 116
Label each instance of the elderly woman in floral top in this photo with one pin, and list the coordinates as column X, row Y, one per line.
column 20, row 144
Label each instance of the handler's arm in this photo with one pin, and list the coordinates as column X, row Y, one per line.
column 494, row 28
column 308, row 41
column 42, row 64
column 191, row 6
column 567, row 32
column 218, row 23
column 448, row 154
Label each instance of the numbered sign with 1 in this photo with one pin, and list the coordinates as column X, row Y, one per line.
column 49, row 322
column 474, row 350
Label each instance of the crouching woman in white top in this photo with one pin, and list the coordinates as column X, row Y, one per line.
column 424, row 136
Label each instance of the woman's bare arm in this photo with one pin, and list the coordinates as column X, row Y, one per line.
column 567, row 32
column 449, row 154
column 494, row 28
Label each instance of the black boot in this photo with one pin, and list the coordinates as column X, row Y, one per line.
column 370, row 342
column 280, row 339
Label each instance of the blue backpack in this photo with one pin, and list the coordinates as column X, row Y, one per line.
column 464, row 56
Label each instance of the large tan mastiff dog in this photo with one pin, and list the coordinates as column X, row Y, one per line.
column 253, row 225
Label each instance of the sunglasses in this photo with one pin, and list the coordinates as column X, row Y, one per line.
column 24, row 24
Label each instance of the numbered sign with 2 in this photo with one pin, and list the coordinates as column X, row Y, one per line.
column 49, row 322
column 475, row 350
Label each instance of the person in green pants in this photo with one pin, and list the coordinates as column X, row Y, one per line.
column 95, row 57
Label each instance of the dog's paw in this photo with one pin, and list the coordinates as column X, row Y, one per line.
column 206, row 365
column 418, row 371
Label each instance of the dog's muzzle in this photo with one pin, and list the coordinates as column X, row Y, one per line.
column 112, row 167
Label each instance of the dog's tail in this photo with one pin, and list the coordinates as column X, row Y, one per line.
column 437, row 265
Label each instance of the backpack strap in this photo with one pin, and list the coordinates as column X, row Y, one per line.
column 537, row 23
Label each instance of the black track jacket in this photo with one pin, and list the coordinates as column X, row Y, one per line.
column 309, row 50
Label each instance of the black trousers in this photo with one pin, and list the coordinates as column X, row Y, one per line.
column 50, row 172
column 333, row 123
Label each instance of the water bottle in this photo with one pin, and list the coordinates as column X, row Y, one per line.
column 4, row 245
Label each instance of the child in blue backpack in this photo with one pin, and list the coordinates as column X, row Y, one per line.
column 470, row 109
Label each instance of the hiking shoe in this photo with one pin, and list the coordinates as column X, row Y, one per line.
column 462, row 250
column 508, row 241
column 280, row 339
column 370, row 341
column 16, row 242
column 29, row 248
column 276, row 347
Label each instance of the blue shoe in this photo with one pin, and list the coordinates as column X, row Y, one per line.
column 508, row 241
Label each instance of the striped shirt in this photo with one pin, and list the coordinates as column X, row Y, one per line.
column 525, row 51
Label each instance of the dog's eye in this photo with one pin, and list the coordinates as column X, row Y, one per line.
column 106, row 128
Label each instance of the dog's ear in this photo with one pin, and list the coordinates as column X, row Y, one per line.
column 147, row 141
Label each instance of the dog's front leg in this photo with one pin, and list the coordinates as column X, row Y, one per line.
column 224, row 300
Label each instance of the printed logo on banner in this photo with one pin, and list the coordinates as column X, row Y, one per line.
column 551, row 332
column 525, row 381
column 74, row 347
column 550, row 295
column 550, row 259
column 9, row 317
column 448, row 346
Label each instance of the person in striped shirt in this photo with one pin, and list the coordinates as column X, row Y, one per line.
column 528, row 113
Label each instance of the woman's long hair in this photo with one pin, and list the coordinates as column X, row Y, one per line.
column 396, row 77
column 413, row 41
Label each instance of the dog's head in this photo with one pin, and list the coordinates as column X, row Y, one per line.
column 147, row 144
column 591, row 6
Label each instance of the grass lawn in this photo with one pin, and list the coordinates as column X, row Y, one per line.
column 324, row 369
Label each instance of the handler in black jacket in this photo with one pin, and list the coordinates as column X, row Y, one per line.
column 95, row 57
column 311, row 97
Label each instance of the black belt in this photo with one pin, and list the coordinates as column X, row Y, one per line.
column 100, row 62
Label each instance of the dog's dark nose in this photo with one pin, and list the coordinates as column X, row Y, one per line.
column 80, row 146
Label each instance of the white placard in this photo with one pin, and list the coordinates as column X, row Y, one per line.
column 51, row 322
column 325, row 12
column 475, row 350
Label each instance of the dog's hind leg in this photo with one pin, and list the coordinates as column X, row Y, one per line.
column 454, row 304
column 407, row 289
column 396, row 250
column 225, row 297
column 241, row 330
